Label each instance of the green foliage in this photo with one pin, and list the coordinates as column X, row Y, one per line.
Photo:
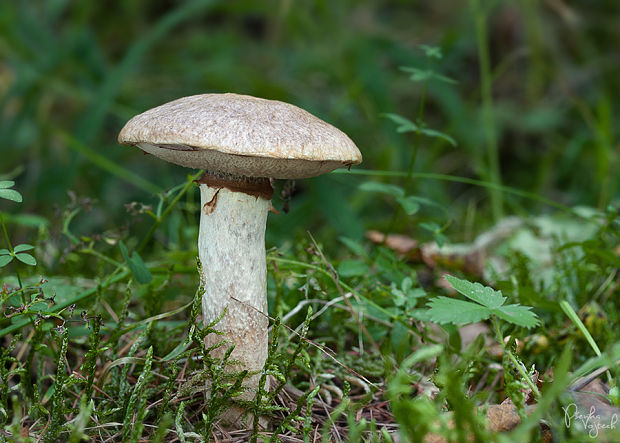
column 89, row 366
column 100, row 334
column 415, row 415
column 409, row 203
column 136, row 265
column 405, row 125
column 5, row 257
column 487, row 302
column 9, row 194
column 5, row 359
column 19, row 253
column 133, row 423
column 77, row 428
column 382, row 289
column 57, row 411
column 421, row 75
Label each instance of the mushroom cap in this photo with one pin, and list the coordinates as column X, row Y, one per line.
column 241, row 135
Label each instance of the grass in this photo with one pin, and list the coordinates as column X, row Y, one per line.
column 119, row 369
column 463, row 113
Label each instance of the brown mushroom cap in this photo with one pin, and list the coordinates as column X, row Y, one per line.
column 241, row 135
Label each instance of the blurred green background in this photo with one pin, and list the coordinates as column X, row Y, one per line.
column 72, row 73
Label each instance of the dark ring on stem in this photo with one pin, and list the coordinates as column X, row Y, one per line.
column 256, row 186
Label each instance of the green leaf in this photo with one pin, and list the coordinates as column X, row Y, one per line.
column 417, row 75
column 26, row 258
column 421, row 315
column 423, row 201
column 475, row 291
column 5, row 260
column 517, row 314
column 182, row 346
column 136, row 265
column 450, row 310
column 352, row 268
column 11, row 194
column 494, row 301
column 572, row 315
column 436, row 230
column 405, row 125
column 384, row 188
column 421, row 75
column 124, row 252
column 22, row 248
column 353, row 246
column 432, row 51
column 5, row 252
column 444, row 78
column 409, row 204
column 140, row 270
column 422, row 354
column 440, row 239
column 431, row 227
column 406, row 284
column 399, row 338
column 437, row 134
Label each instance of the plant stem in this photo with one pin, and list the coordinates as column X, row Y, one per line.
column 101, row 256
column 488, row 120
column 416, row 143
column 8, row 243
column 515, row 362
column 409, row 176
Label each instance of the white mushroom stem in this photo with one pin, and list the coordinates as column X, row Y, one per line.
column 231, row 248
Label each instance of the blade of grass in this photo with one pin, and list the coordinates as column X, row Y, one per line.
column 572, row 315
column 488, row 120
column 93, row 119
column 159, row 219
column 108, row 165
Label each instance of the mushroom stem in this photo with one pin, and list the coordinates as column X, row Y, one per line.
column 231, row 248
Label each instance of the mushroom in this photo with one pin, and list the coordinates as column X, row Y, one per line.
column 241, row 142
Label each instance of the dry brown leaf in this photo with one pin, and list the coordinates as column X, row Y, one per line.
column 401, row 244
column 469, row 261
column 467, row 257
column 434, row 438
column 500, row 418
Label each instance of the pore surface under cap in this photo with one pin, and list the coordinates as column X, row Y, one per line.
column 240, row 134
